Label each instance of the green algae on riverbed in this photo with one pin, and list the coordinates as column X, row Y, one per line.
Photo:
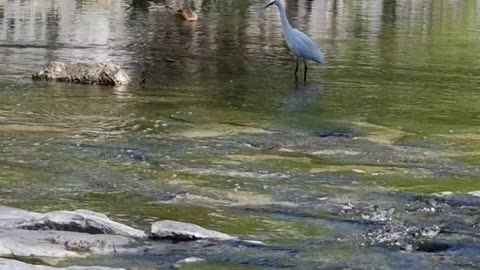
column 459, row 184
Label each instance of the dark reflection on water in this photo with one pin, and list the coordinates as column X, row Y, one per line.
column 304, row 94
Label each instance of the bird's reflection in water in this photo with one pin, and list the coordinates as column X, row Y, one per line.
column 302, row 95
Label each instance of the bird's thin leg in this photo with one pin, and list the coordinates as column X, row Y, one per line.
column 305, row 71
column 296, row 66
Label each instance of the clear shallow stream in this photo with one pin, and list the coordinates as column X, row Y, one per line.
column 223, row 137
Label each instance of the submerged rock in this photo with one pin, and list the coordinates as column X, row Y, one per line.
column 432, row 246
column 102, row 74
column 6, row 264
column 181, row 231
column 59, row 244
column 187, row 14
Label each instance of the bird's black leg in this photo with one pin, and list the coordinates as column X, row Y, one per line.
column 296, row 66
column 305, row 71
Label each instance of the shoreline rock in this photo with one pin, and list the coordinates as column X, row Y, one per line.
column 81, row 220
column 83, row 73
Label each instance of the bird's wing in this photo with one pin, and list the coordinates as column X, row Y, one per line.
column 306, row 47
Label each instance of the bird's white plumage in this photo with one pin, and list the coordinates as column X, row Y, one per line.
column 299, row 43
column 303, row 46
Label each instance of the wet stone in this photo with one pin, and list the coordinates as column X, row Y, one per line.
column 181, row 231
column 102, row 74
column 336, row 133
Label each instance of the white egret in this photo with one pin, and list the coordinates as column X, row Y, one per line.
column 301, row 45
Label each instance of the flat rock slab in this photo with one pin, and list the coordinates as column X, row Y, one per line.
column 101, row 74
column 181, row 231
column 61, row 244
column 6, row 264
column 76, row 221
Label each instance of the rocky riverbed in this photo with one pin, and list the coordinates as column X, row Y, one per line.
column 422, row 224
column 31, row 236
column 264, row 197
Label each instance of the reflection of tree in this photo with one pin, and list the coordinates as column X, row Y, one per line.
column 233, row 38
column 53, row 17
column 141, row 4
column 10, row 28
column 388, row 12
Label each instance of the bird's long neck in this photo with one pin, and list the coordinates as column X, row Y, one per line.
column 283, row 16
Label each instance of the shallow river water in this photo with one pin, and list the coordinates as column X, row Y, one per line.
column 222, row 135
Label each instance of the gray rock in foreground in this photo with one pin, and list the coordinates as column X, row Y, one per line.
column 6, row 264
column 10, row 217
column 61, row 244
column 102, row 74
column 76, row 221
column 181, row 231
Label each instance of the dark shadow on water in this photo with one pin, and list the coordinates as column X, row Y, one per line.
column 303, row 94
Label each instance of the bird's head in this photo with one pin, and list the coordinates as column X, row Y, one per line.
column 272, row 3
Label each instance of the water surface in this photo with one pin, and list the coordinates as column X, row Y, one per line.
column 223, row 136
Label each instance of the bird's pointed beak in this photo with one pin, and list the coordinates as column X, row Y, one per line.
column 273, row 2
